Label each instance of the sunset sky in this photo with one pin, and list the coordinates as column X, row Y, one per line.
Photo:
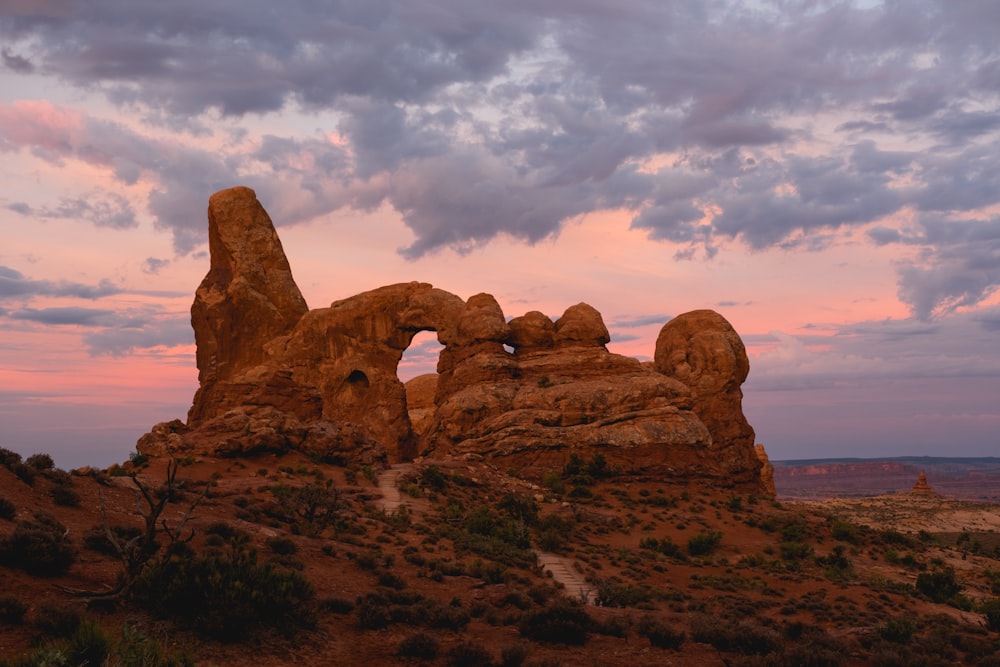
column 824, row 174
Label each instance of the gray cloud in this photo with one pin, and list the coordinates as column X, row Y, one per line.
column 640, row 321
column 14, row 284
column 153, row 265
column 103, row 210
column 17, row 63
column 129, row 335
column 68, row 315
column 487, row 118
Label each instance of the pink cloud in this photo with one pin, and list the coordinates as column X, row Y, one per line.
column 41, row 124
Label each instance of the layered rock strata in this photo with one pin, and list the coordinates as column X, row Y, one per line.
column 525, row 393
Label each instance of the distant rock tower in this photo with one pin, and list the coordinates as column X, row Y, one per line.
column 922, row 488
column 766, row 469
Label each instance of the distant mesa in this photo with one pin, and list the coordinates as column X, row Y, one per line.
column 524, row 393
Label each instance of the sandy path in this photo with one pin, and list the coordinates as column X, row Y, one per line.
column 563, row 572
column 387, row 484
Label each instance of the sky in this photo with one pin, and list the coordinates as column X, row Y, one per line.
column 825, row 174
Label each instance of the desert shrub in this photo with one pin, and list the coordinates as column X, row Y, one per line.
column 795, row 550
column 704, row 542
column 96, row 539
column 24, row 472
column 845, row 531
column 310, row 508
column 88, row 645
column 614, row 593
column 748, row 636
column 337, row 605
column 553, row 481
column 659, row 633
column 433, row 614
column 499, row 538
column 897, row 629
column 40, row 462
column 56, row 620
column 519, row 507
column 665, row 546
column 8, row 458
column 65, row 495
column 562, row 621
column 514, row 655
column 12, row 610
column 136, row 649
column 138, row 459
column 991, row 609
column 223, row 595
column 793, row 530
column 38, row 546
column 939, row 585
column 282, row 545
column 470, row 654
column 432, row 477
column 7, row 510
column 419, row 645
column 555, row 531
column 374, row 612
column 889, row 536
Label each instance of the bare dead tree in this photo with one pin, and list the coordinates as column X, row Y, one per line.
column 134, row 553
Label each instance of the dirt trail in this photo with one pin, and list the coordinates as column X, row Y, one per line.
column 563, row 572
column 387, row 480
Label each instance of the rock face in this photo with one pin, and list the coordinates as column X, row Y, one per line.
column 766, row 470
column 526, row 393
column 922, row 488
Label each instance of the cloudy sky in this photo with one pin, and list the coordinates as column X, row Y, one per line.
column 825, row 174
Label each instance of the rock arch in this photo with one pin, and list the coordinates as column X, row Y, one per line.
column 525, row 393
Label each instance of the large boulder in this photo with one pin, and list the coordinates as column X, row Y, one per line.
column 702, row 350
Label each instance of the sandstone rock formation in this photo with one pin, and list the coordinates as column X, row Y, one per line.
column 526, row 393
column 922, row 488
column 766, row 470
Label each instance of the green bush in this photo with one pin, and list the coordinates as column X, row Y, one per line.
column 96, row 539
column 659, row 633
column 419, row 645
column 285, row 546
column 56, row 620
column 898, row 630
column 704, row 542
column 24, row 472
column 8, row 458
column 310, row 508
column 88, row 645
column 224, row 595
column 939, row 585
column 991, row 609
column 65, row 495
column 12, row 610
column 40, row 462
column 562, row 621
column 470, row 654
column 665, row 546
column 514, row 655
column 845, row 531
column 433, row 477
column 795, row 550
column 7, row 510
column 748, row 636
column 38, row 546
